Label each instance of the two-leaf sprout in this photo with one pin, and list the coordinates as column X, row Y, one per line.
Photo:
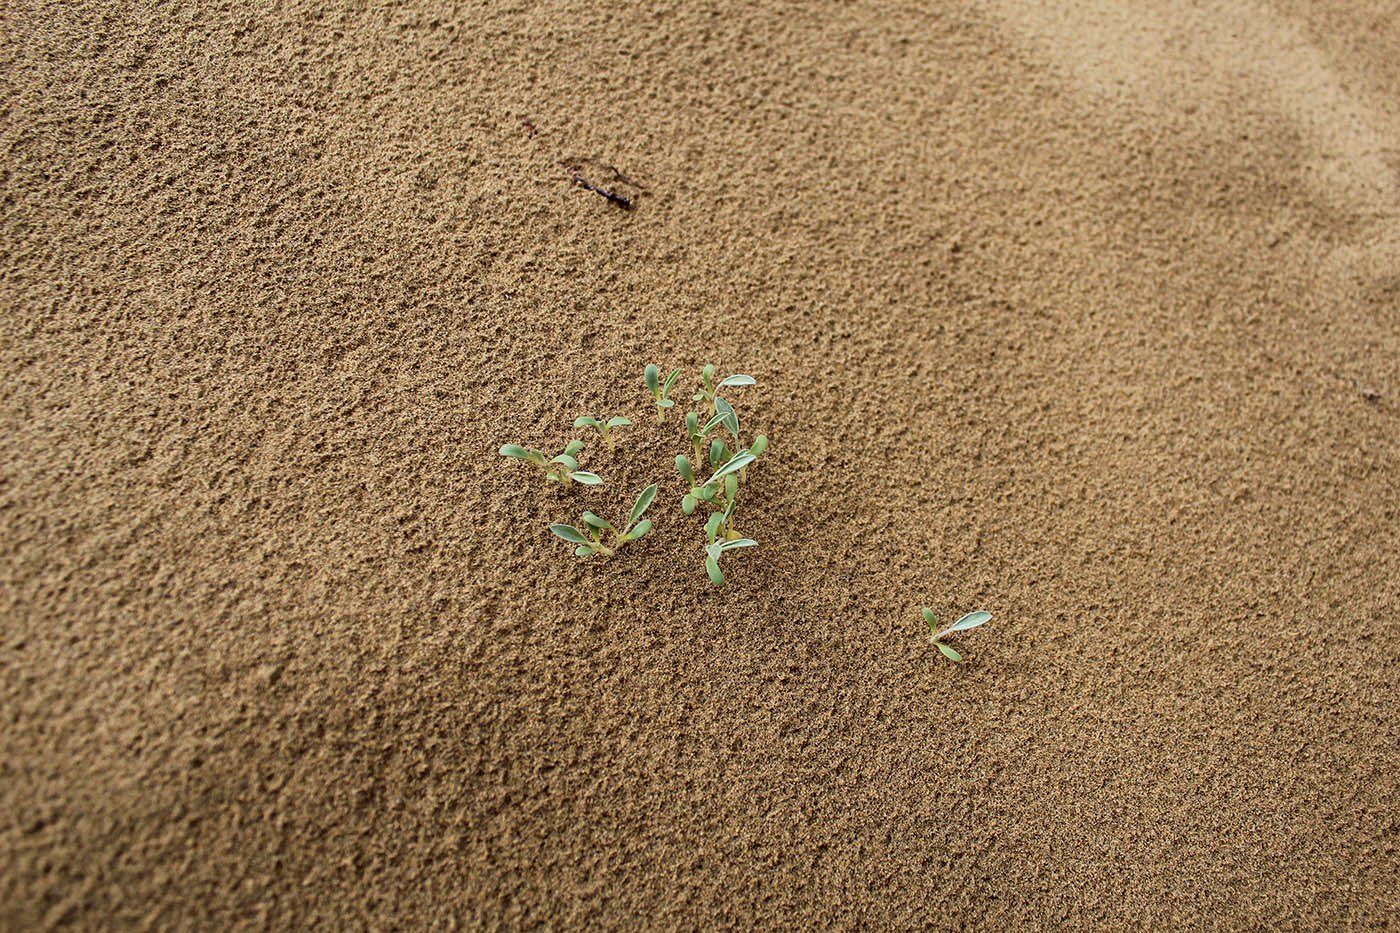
column 708, row 386
column 591, row 543
column 661, row 391
column 605, row 428
column 559, row 469
column 716, row 546
column 935, row 637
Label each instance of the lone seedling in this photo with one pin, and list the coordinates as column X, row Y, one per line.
column 935, row 637
column 561, row 469
column 708, row 387
column 716, row 546
column 661, row 391
column 592, row 542
column 604, row 428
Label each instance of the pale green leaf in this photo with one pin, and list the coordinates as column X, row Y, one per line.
column 948, row 653
column 594, row 521
column 652, row 379
column 569, row 533
column 930, row 618
column 643, row 503
column 737, row 543
column 586, row 478
column 516, row 451
column 736, row 463
column 971, row 620
column 640, row 531
column 739, row 379
column 618, row 422
column 712, row 568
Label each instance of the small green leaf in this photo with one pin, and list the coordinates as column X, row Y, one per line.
column 731, row 417
column 588, row 479
column 643, row 503
column 705, row 493
column 618, row 422
column 708, row 374
column 688, row 504
column 718, row 452
column 715, row 422
column 692, row 423
column 698, row 396
column 594, row 521
column 712, row 526
column 948, row 653
column 567, row 461
column 731, row 486
column 737, row 543
column 585, row 422
column 516, row 451
column 573, row 448
column 759, row 445
column 930, row 618
column 971, row 620
column 686, row 471
column 553, row 477
column 712, row 568
column 582, row 550
column 735, row 464
column 670, row 382
column 640, row 531
column 714, row 549
column 569, row 533
column 738, row 379
column 665, row 403
column 652, row 376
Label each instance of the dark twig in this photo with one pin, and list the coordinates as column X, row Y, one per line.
column 620, row 200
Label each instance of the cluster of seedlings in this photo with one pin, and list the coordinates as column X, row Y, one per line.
column 714, row 470
column 717, row 450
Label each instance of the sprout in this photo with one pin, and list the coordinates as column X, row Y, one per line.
column 604, row 428
column 717, row 545
column 935, row 637
column 661, row 391
column 708, row 386
column 589, row 541
column 563, row 468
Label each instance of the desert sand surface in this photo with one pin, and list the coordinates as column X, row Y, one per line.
column 1083, row 313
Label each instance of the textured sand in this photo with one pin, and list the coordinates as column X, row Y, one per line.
column 1090, row 318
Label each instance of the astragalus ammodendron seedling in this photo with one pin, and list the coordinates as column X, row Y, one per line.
column 660, row 391
column 935, row 637
column 709, row 388
column 605, row 428
column 562, row 468
column 717, row 546
column 719, row 494
column 591, row 543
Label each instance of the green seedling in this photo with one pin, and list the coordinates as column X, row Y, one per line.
column 717, row 545
column 590, row 542
column 708, row 386
column 935, row 637
column 661, row 391
column 605, row 428
column 560, row 469
column 716, row 490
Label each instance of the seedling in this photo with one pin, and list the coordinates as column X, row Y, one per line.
column 661, row 391
column 935, row 637
column 560, row 469
column 708, row 386
column 716, row 546
column 605, row 428
column 591, row 542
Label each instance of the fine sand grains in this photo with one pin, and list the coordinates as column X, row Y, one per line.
column 1088, row 319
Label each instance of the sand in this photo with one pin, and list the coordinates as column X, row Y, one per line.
column 1087, row 318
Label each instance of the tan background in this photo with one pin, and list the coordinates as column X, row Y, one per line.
column 1081, row 315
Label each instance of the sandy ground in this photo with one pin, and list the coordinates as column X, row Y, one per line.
column 1087, row 314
